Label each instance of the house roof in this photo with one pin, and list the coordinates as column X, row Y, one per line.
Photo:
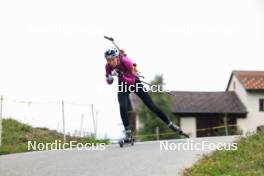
column 194, row 103
column 251, row 80
column 207, row 103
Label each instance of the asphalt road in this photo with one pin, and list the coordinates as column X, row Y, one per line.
column 144, row 158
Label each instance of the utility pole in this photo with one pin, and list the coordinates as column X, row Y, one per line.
column 94, row 123
column 225, row 122
column 63, row 121
column 157, row 133
column 81, row 130
column 1, row 114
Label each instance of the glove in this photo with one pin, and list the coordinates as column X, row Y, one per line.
column 109, row 78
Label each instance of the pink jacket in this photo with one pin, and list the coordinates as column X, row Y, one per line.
column 125, row 68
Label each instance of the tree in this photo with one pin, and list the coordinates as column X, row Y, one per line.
column 150, row 121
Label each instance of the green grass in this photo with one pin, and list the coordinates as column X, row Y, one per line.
column 247, row 160
column 15, row 137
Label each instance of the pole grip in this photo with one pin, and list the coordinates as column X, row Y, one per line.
column 112, row 40
column 109, row 38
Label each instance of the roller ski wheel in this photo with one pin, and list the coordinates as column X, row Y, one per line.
column 126, row 142
column 178, row 130
column 121, row 143
column 132, row 142
column 184, row 135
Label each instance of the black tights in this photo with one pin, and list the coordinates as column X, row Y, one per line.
column 125, row 106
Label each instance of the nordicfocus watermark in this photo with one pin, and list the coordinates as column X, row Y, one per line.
column 190, row 145
column 124, row 87
column 59, row 145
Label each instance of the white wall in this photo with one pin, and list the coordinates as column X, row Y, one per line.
column 239, row 89
column 255, row 117
column 251, row 101
column 188, row 125
column 242, row 94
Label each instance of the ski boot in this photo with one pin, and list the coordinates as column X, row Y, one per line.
column 178, row 130
column 128, row 139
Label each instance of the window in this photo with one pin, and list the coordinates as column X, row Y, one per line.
column 261, row 104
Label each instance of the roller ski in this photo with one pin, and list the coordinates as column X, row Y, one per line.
column 178, row 130
column 128, row 139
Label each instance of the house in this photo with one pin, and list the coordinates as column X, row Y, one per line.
column 239, row 107
column 249, row 86
column 201, row 112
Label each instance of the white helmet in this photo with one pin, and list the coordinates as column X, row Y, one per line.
column 111, row 52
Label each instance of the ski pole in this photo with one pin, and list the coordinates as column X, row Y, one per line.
column 168, row 92
column 115, row 73
column 111, row 39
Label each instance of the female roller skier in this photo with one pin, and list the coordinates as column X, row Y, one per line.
column 117, row 62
